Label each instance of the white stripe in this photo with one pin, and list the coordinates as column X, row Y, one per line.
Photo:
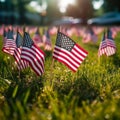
column 60, row 58
column 38, row 52
column 78, row 55
column 17, row 60
column 61, row 53
column 78, row 49
column 36, row 69
column 35, row 60
column 35, row 54
column 71, row 55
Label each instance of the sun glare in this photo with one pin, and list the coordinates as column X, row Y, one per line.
column 97, row 4
column 64, row 3
column 35, row 5
column 2, row 0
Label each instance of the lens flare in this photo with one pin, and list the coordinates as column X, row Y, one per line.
column 64, row 3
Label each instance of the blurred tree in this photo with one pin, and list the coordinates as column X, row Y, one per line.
column 7, row 10
column 111, row 5
column 22, row 10
column 53, row 10
column 82, row 9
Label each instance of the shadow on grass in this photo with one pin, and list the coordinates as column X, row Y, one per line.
column 24, row 91
column 116, row 60
column 81, row 89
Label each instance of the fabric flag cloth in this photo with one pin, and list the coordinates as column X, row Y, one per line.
column 111, row 47
column 1, row 30
column 89, row 36
column 37, row 38
column 32, row 54
column 9, row 45
column 103, row 46
column 47, row 41
column 21, row 64
column 68, row 52
column 107, row 46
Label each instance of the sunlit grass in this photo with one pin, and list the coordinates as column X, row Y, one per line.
column 92, row 93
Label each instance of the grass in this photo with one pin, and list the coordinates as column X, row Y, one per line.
column 92, row 93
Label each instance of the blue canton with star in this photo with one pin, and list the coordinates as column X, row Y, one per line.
column 64, row 41
column 27, row 41
column 19, row 40
column 10, row 35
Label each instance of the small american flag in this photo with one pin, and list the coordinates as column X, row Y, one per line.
column 47, row 40
column 37, row 38
column 32, row 54
column 111, row 47
column 103, row 46
column 21, row 64
column 9, row 45
column 68, row 52
column 107, row 46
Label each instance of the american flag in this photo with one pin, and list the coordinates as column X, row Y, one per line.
column 32, row 54
column 9, row 45
column 103, row 46
column 47, row 41
column 111, row 47
column 89, row 36
column 37, row 38
column 21, row 64
column 68, row 52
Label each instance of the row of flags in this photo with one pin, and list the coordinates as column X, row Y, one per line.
column 43, row 41
column 27, row 53
column 87, row 33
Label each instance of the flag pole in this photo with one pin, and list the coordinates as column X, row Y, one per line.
column 52, row 65
column 19, row 76
column 19, row 73
column 52, row 75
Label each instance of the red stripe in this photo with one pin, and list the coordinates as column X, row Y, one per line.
column 67, row 54
column 66, row 59
column 34, row 55
column 64, row 63
column 77, row 55
column 22, row 64
column 39, row 58
column 32, row 66
column 81, row 49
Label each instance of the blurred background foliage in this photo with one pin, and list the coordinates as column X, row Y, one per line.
column 42, row 12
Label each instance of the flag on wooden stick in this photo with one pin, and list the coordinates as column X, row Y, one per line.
column 47, row 41
column 21, row 64
column 111, row 47
column 107, row 45
column 32, row 54
column 68, row 52
column 103, row 46
column 37, row 38
column 10, row 44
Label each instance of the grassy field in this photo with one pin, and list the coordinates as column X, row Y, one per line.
column 92, row 93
